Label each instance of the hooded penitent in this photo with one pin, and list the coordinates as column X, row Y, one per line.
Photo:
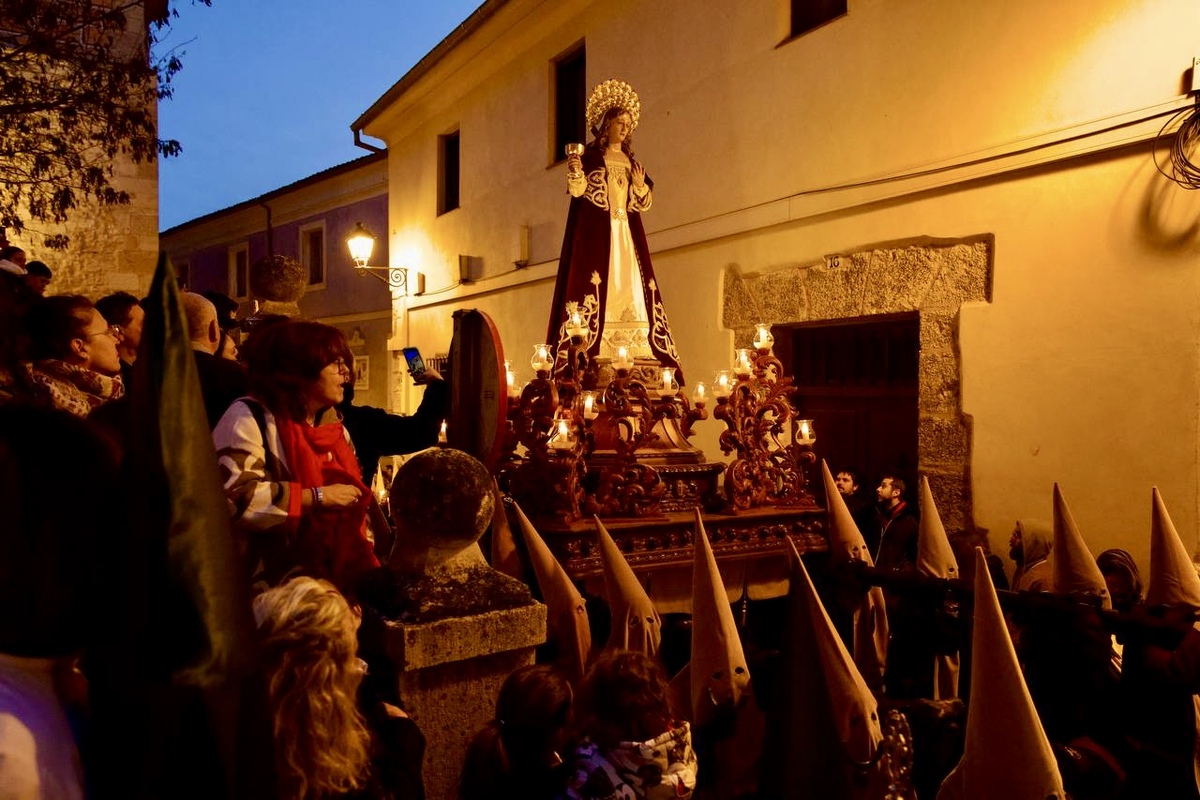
column 635, row 623
column 935, row 558
column 1006, row 755
column 846, row 545
column 1173, row 579
column 718, row 667
column 1173, row 582
column 842, row 727
column 1034, row 574
column 566, row 613
column 1075, row 570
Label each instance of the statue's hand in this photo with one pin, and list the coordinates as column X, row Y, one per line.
column 639, row 175
column 574, row 163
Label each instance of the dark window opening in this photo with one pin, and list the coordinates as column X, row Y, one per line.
column 314, row 253
column 448, row 172
column 810, row 14
column 570, row 89
column 241, row 273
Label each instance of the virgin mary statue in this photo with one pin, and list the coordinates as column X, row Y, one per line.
column 604, row 273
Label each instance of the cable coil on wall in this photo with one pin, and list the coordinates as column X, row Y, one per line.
column 1183, row 128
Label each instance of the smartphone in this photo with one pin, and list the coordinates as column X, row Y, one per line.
column 416, row 365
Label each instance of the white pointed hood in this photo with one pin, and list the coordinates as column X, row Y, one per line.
column 1173, row 579
column 566, row 613
column 635, row 623
column 719, row 672
column 1006, row 755
column 1075, row 570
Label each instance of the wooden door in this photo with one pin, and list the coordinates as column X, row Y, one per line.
column 857, row 381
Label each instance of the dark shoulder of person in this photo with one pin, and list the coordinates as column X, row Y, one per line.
column 399, row 752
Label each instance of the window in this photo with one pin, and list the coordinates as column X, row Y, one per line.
column 183, row 275
column 448, row 172
column 569, row 101
column 239, row 271
column 810, row 14
column 312, row 252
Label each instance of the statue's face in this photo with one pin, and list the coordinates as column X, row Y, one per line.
column 618, row 128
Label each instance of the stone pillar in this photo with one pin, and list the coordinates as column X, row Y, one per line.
column 456, row 628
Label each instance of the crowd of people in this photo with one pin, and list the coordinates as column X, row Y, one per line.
column 305, row 522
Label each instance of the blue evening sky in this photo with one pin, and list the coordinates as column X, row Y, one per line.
column 269, row 89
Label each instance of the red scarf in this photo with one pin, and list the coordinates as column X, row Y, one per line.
column 332, row 542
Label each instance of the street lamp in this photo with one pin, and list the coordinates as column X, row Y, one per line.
column 362, row 243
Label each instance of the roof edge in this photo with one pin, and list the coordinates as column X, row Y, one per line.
column 467, row 27
column 316, row 177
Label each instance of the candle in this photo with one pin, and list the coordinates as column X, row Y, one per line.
column 668, row 383
column 510, row 379
column 763, row 340
column 807, row 434
column 743, row 366
column 575, row 326
column 591, row 408
column 562, row 438
column 622, row 359
column 722, row 384
column 700, row 395
column 442, row 433
column 541, row 361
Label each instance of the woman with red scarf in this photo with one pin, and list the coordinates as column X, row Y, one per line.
column 298, row 500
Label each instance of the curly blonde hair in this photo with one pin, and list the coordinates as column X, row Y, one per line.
column 309, row 643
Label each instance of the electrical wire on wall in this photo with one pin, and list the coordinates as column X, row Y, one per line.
column 1183, row 129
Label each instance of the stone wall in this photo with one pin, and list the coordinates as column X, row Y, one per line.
column 933, row 277
column 112, row 247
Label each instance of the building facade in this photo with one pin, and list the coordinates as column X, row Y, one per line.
column 309, row 221
column 982, row 171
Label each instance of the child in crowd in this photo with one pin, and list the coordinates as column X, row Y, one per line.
column 517, row 753
column 631, row 745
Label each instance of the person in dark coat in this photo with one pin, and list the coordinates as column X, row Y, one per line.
column 861, row 507
column 377, row 433
column 898, row 535
column 125, row 312
column 221, row 380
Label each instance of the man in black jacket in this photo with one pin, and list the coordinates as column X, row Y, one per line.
column 376, row 433
column 221, row 380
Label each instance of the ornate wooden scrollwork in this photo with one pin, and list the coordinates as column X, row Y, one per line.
column 757, row 412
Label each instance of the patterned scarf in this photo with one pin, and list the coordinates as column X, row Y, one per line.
column 72, row 388
column 332, row 542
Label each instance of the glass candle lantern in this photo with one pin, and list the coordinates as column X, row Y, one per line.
column 700, row 395
column 575, row 327
column 669, row 386
column 722, row 384
column 763, row 339
column 743, row 365
column 804, row 434
column 562, row 437
column 622, row 360
column 591, row 405
column 541, row 360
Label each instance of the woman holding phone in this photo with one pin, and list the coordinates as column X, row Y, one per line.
column 288, row 464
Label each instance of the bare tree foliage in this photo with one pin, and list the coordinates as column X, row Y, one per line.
column 78, row 89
